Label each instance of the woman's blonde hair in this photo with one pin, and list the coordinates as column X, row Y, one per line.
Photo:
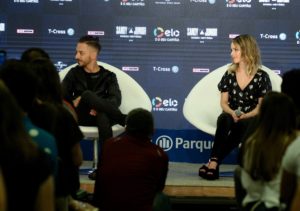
column 249, row 51
column 276, row 129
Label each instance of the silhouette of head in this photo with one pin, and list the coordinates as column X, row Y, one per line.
column 140, row 122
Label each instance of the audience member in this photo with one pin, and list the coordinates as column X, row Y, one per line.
column 290, row 85
column 290, row 183
column 3, row 56
column 34, row 53
column 262, row 152
column 290, row 81
column 23, row 84
column 132, row 170
column 94, row 90
column 49, row 108
column 27, row 57
column 242, row 89
column 27, row 170
column 3, row 202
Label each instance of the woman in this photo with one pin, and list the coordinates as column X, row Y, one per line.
column 242, row 89
column 51, row 114
column 263, row 151
column 26, row 188
column 290, row 181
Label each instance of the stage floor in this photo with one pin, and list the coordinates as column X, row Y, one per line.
column 186, row 189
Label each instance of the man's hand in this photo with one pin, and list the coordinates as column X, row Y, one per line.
column 76, row 101
column 93, row 112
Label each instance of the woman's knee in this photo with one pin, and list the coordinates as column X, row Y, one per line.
column 224, row 118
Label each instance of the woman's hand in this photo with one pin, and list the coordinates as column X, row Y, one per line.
column 244, row 115
column 235, row 117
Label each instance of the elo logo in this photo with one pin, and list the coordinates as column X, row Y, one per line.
column 159, row 32
column 157, row 102
column 165, row 142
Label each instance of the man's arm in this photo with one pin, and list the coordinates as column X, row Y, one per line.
column 114, row 92
column 67, row 87
column 164, row 167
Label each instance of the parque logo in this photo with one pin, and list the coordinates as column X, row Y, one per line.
column 165, row 142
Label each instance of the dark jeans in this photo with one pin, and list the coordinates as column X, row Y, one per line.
column 108, row 114
column 229, row 135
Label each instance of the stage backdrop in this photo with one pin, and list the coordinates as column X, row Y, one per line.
column 167, row 46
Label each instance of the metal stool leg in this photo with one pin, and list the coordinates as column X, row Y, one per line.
column 95, row 160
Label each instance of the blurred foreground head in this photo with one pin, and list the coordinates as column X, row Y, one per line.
column 140, row 122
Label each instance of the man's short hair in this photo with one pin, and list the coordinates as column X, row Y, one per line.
column 34, row 53
column 140, row 121
column 91, row 41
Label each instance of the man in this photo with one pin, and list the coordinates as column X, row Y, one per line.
column 133, row 170
column 94, row 91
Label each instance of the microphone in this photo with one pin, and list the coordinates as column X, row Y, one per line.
column 238, row 111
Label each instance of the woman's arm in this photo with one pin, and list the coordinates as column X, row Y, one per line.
column 77, row 156
column 254, row 112
column 225, row 107
column 45, row 200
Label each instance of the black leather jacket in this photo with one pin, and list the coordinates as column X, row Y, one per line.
column 106, row 87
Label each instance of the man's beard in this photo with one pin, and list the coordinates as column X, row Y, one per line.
column 80, row 63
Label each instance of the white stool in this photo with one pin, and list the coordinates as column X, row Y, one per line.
column 91, row 133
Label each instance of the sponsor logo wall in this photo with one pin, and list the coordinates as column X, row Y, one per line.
column 167, row 46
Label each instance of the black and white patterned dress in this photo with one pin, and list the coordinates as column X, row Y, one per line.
column 246, row 98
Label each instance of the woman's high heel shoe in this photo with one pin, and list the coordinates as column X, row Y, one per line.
column 213, row 174
column 202, row 171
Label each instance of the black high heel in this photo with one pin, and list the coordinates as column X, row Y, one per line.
column 202, row 171
column 213, row 174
